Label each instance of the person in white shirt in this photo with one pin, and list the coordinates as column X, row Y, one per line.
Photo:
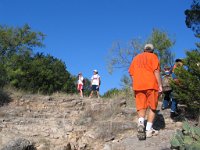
column 95, row 83
column 80, row 84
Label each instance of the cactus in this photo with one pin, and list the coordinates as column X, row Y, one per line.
column 186, row 128
column 187, row 139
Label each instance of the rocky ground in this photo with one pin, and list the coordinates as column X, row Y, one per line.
column 61, row 122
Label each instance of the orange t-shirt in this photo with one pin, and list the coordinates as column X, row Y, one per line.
column 142, row 71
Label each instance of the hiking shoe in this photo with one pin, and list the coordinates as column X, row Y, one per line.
column 141, row 132
column 173, row 115
column 151, row 133
column 140, row 128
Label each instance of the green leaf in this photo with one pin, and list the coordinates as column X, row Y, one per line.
column 186, row 128
column 188, row 140
column 175, row 142
column 197, row 131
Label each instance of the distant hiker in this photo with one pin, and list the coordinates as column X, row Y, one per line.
column 174, row 113
column 80, row 84
column 167, row 89
column 145, row 73
column 95, row 83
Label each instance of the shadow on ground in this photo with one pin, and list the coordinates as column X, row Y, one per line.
column 159, row 121
column 4, row 98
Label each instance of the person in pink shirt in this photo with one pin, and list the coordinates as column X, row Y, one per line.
column 80, row 84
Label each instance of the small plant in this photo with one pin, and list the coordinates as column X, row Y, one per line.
column 186, row 139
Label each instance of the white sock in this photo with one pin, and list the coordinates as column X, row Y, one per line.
column 141, row 120
column 149, row 126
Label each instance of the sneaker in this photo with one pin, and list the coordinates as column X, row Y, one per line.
column 140, row 128
column 151, row 133
column 141, row 132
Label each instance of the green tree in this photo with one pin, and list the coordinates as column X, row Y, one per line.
column 121, row 55
column 40, row 73
column 3, row 76
column 13, row 42
column 87, row 87
column 18, row 40
column 186, row 91
column 23, row 69
column 111, row 93
column 193, row 17
column 162, row 43
column 16, row 69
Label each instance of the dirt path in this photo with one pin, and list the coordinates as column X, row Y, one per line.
column 62, row 123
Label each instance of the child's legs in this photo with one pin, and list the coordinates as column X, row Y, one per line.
column 166, row 99
column 81, row 93
column 174, row 105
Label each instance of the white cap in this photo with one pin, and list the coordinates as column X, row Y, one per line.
column 95, row 70
column 149, row 46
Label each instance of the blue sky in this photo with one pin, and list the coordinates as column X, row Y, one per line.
column 81, row 32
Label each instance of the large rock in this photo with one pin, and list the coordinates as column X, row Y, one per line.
column 19, row 144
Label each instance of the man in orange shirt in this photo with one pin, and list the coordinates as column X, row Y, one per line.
column 145, row 73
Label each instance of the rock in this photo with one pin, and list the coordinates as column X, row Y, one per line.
column 107, row 147
column 179, row 124
column 42, row 147
column 68, row 147
column 19, row 144
column 47, row 98
column 123, row 103
column 110, row 138
column 129, row 111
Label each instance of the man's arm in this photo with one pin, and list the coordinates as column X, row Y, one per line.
column 157, row 75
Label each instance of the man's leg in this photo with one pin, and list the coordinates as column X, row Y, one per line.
column 150, row 119
column 141, row 116
column 141, row 107
column 153, row 102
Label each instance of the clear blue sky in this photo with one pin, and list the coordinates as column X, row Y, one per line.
column 81, row 32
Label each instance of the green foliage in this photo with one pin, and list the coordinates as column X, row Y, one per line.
column 112, row 93
column 87, row 87
column 18, row 40
column 23, row 69
column 4, row 98
column 121, row 55
column 193, row 17
column 3, row 76
column 187, row 139
column 186, row 91
column 39, row 73
column 126, row 81
column 162, row 43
